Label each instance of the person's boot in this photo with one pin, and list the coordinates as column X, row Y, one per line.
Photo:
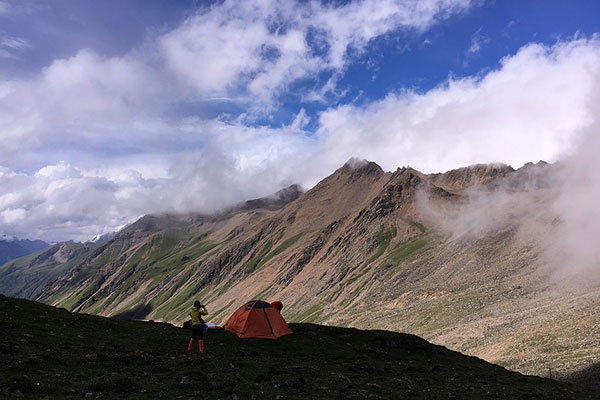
column 201, row 346
column 191, row 345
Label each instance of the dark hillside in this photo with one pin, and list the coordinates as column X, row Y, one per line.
column 51, row 353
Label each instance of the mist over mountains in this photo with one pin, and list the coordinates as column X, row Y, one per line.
column 463, row 258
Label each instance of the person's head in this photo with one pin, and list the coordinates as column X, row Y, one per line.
column 197, row 304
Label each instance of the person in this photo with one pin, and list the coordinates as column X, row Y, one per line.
column 198, row 325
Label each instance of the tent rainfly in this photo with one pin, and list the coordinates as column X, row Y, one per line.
column 257, row 319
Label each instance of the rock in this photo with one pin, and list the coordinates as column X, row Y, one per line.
column 186, row 380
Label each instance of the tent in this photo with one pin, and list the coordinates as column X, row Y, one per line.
column 257, row 319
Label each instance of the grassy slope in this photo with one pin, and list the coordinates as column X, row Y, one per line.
column 50, row 352
column 26, row 276
column 162, row 258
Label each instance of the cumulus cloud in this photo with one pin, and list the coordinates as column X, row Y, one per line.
column 530, row 108
column 572, row 242
column 259, row 48
column 110, row 143
column 108, row 130
column 232, row 50
column 84, row 99
column 64, row 201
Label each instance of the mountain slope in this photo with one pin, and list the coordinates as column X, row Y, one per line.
column 27, row 276
column 51, row 352
column 15, row 248
column 456, row 258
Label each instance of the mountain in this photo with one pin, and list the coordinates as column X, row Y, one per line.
column 11, row 248
column 457, row 258
column 51, row 353
column 102, row 238
column 276, row 201
column 27, row 276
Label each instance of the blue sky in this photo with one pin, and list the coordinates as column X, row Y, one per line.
column 108, row 108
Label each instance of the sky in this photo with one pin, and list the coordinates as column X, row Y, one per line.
column 115, row 109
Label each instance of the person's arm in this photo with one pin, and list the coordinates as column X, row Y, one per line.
column 203, row 310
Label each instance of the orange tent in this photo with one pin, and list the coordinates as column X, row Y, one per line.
column 257, row 319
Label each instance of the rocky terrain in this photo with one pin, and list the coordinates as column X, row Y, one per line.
column 459, row 258
column 51, row 353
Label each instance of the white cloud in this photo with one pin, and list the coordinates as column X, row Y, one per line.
column 572, row 244
column 85, row 99
column 261, row 47
column 300, row 121
column 16, row 43
column 254, row 49
column 477, row 42
column 11, row 46
column 131, row 155
column 64, row 201
column 528, row 109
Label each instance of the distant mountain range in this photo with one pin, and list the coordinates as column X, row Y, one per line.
column 11, row 248
column 450, row 257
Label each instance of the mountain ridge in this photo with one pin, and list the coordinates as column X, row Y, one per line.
column 11, row 248
column 364, row 248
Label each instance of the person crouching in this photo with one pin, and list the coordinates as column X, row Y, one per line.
column 198, row 325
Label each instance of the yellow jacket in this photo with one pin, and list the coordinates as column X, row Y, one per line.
column 196, row 314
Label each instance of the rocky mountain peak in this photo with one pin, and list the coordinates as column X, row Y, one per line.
column 473, row 175
column 356, row 168
column 289, row 193
column 275, row 201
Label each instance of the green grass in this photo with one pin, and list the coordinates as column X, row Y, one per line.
column 279, row 249
column 27, row 276
column 165, row 255
column 175, row 306
column 254, row 263
column 419, row 226
column 309, row 315
column 383, row 238
column 406, row 249
column 355, row 293
column 356, row 277
column 263, row 293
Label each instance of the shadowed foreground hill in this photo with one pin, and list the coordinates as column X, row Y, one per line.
column 51, row 353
